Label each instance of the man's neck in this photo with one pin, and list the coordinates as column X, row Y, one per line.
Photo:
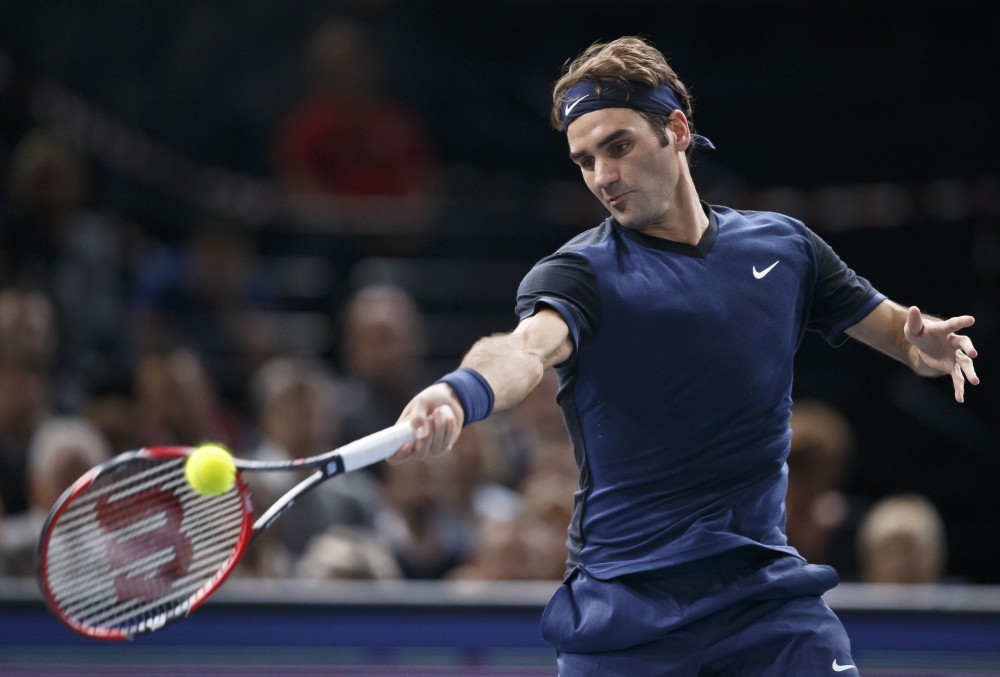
column 685, row 221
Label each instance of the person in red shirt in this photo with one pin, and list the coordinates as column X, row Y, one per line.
column 350, row 156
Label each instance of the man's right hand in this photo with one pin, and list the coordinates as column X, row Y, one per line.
column 436, row 417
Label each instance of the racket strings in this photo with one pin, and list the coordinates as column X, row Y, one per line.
column 137, row 546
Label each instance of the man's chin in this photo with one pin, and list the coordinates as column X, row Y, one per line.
column 623, row 219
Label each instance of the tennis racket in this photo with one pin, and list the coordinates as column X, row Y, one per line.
column 131, row 546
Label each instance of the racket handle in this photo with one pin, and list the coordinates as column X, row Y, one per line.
column 375, row 447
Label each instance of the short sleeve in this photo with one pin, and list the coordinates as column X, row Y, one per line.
column 566, row 283
column 841, row 299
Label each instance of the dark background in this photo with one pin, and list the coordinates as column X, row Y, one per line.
column 813, row 106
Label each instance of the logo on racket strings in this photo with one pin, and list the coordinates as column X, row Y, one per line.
column 147, row 559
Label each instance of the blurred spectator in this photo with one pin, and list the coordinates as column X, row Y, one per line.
column 471, row 490
column 115, row 412
column 902, row 540
column 383, row 357
column 422, row 529
column 3, row 558
column 296, row 402
column 27, row 328
column 526, row 543
column 548, row 492
column 349, row 156
column 209, row 293
column 178, row 404
column 520, row 470
column 519, row 533
column 51, row 241
column 819, row 517
column 506, row 550
column 343, row 552
column 534, row 427
column 62, row 449
column 26, row 347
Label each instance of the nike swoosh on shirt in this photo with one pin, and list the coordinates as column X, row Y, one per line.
column 759, row 274
column 837, row 667
column 571, row 106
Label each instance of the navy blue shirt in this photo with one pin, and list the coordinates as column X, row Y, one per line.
column 678, row 393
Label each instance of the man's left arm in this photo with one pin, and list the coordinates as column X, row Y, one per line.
column 928, row 345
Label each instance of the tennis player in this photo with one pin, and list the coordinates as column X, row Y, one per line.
column 673, row 326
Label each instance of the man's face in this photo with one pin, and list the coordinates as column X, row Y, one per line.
column 625, row 165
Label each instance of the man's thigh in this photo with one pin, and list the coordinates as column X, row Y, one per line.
column 677, row 656
column 798, row 637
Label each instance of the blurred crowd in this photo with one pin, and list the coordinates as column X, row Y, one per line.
column 112, row 339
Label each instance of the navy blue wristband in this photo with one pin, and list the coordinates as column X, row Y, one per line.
column 473, row 392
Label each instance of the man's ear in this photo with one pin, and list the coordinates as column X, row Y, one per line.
column 678, row 124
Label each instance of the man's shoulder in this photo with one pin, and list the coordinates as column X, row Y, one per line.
column 755, row 218
column 577, row 260
column 598, row 235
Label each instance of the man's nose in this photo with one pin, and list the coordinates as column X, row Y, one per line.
column 605, row 173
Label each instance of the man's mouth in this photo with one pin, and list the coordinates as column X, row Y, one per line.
column 615, row 199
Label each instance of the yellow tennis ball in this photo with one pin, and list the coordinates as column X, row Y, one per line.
column 210, row 470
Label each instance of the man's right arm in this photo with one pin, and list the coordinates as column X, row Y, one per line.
column 512, row 364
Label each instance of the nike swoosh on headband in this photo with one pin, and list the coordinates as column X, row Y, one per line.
column 571, row 106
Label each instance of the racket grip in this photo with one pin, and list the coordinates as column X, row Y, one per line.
column 375, row 447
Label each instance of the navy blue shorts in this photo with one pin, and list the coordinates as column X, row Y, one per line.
column 756, row 619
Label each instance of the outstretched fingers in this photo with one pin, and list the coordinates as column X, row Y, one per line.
column 955, row 324
column 963, row 344
column 964, row 371
column 940, row 347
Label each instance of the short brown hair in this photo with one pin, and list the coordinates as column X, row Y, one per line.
column 627, row 59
